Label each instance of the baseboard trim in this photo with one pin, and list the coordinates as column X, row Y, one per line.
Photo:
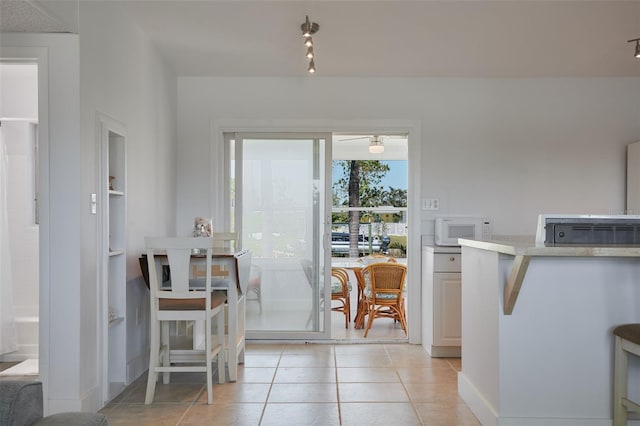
column 137, row 366
column 445, row 351
column 63, row 405
column 480, row 407
column 488, row 416
column 91, row 401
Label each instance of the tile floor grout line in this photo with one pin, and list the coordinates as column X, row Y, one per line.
column 335, row 366
column 188, row 408
column 395, row 368
column 273, row 379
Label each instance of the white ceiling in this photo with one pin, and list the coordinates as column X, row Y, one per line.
column 371, row 38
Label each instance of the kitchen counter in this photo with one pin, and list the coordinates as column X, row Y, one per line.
column 526, row 246
column 547, row 359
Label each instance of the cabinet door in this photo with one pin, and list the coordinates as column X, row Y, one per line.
column 447, row 309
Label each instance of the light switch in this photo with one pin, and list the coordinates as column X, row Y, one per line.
column 94, row 204
column 430, row 204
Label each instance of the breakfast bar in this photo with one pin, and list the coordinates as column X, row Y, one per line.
column 537, row 346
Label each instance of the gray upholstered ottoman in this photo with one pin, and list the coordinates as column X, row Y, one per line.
column 21, row 405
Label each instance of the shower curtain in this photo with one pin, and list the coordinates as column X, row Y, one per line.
column 8, row 338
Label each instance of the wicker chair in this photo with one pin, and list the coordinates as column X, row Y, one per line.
column 341, row 292
column 383, row 292
column 361, row 309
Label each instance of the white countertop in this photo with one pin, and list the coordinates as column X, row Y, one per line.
column 442, row 249
column 526, row 246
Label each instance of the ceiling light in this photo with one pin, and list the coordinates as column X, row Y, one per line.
column 376, row 145
column 637, row 40
column 308, row 28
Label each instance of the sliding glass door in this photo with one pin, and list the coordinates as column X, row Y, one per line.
column 279, row 199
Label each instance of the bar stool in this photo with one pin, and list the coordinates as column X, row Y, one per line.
column 627, row 340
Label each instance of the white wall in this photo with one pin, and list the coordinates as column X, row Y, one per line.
column 506, row 148
column 19, row 83
column 123, row 77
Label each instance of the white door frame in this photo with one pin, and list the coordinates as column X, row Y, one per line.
column 411, row 127
column 57, row 56
column 38, row 55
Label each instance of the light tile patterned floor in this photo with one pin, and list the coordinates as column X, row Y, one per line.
column 310, row 384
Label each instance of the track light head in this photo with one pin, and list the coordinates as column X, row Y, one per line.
column 309, row 28
column 312, row 67
column 637, row 52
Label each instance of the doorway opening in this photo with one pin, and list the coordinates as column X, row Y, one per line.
column 19, row 219
column 374, row 208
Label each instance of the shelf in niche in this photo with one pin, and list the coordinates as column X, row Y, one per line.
column 116, row 320
column 118, row 193
column 115, row 252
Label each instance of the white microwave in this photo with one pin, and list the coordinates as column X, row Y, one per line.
column 450, row 228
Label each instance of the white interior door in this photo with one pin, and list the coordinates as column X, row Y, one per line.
column 281, row 205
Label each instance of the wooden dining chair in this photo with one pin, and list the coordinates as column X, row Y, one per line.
column 341, row 292
column 255, row 286
column 233, row 280
column 226, row 240
column 174, row 301
column 221, row 241
column 384, row 292
column 626, row 342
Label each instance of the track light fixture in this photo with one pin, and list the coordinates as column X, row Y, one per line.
column 308, row 29
column 637, row 40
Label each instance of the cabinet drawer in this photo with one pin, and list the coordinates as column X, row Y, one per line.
column 446, row 262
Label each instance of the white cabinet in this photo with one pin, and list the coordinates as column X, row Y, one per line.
column 633, row 178
column 441, row 301
column 112, row 265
